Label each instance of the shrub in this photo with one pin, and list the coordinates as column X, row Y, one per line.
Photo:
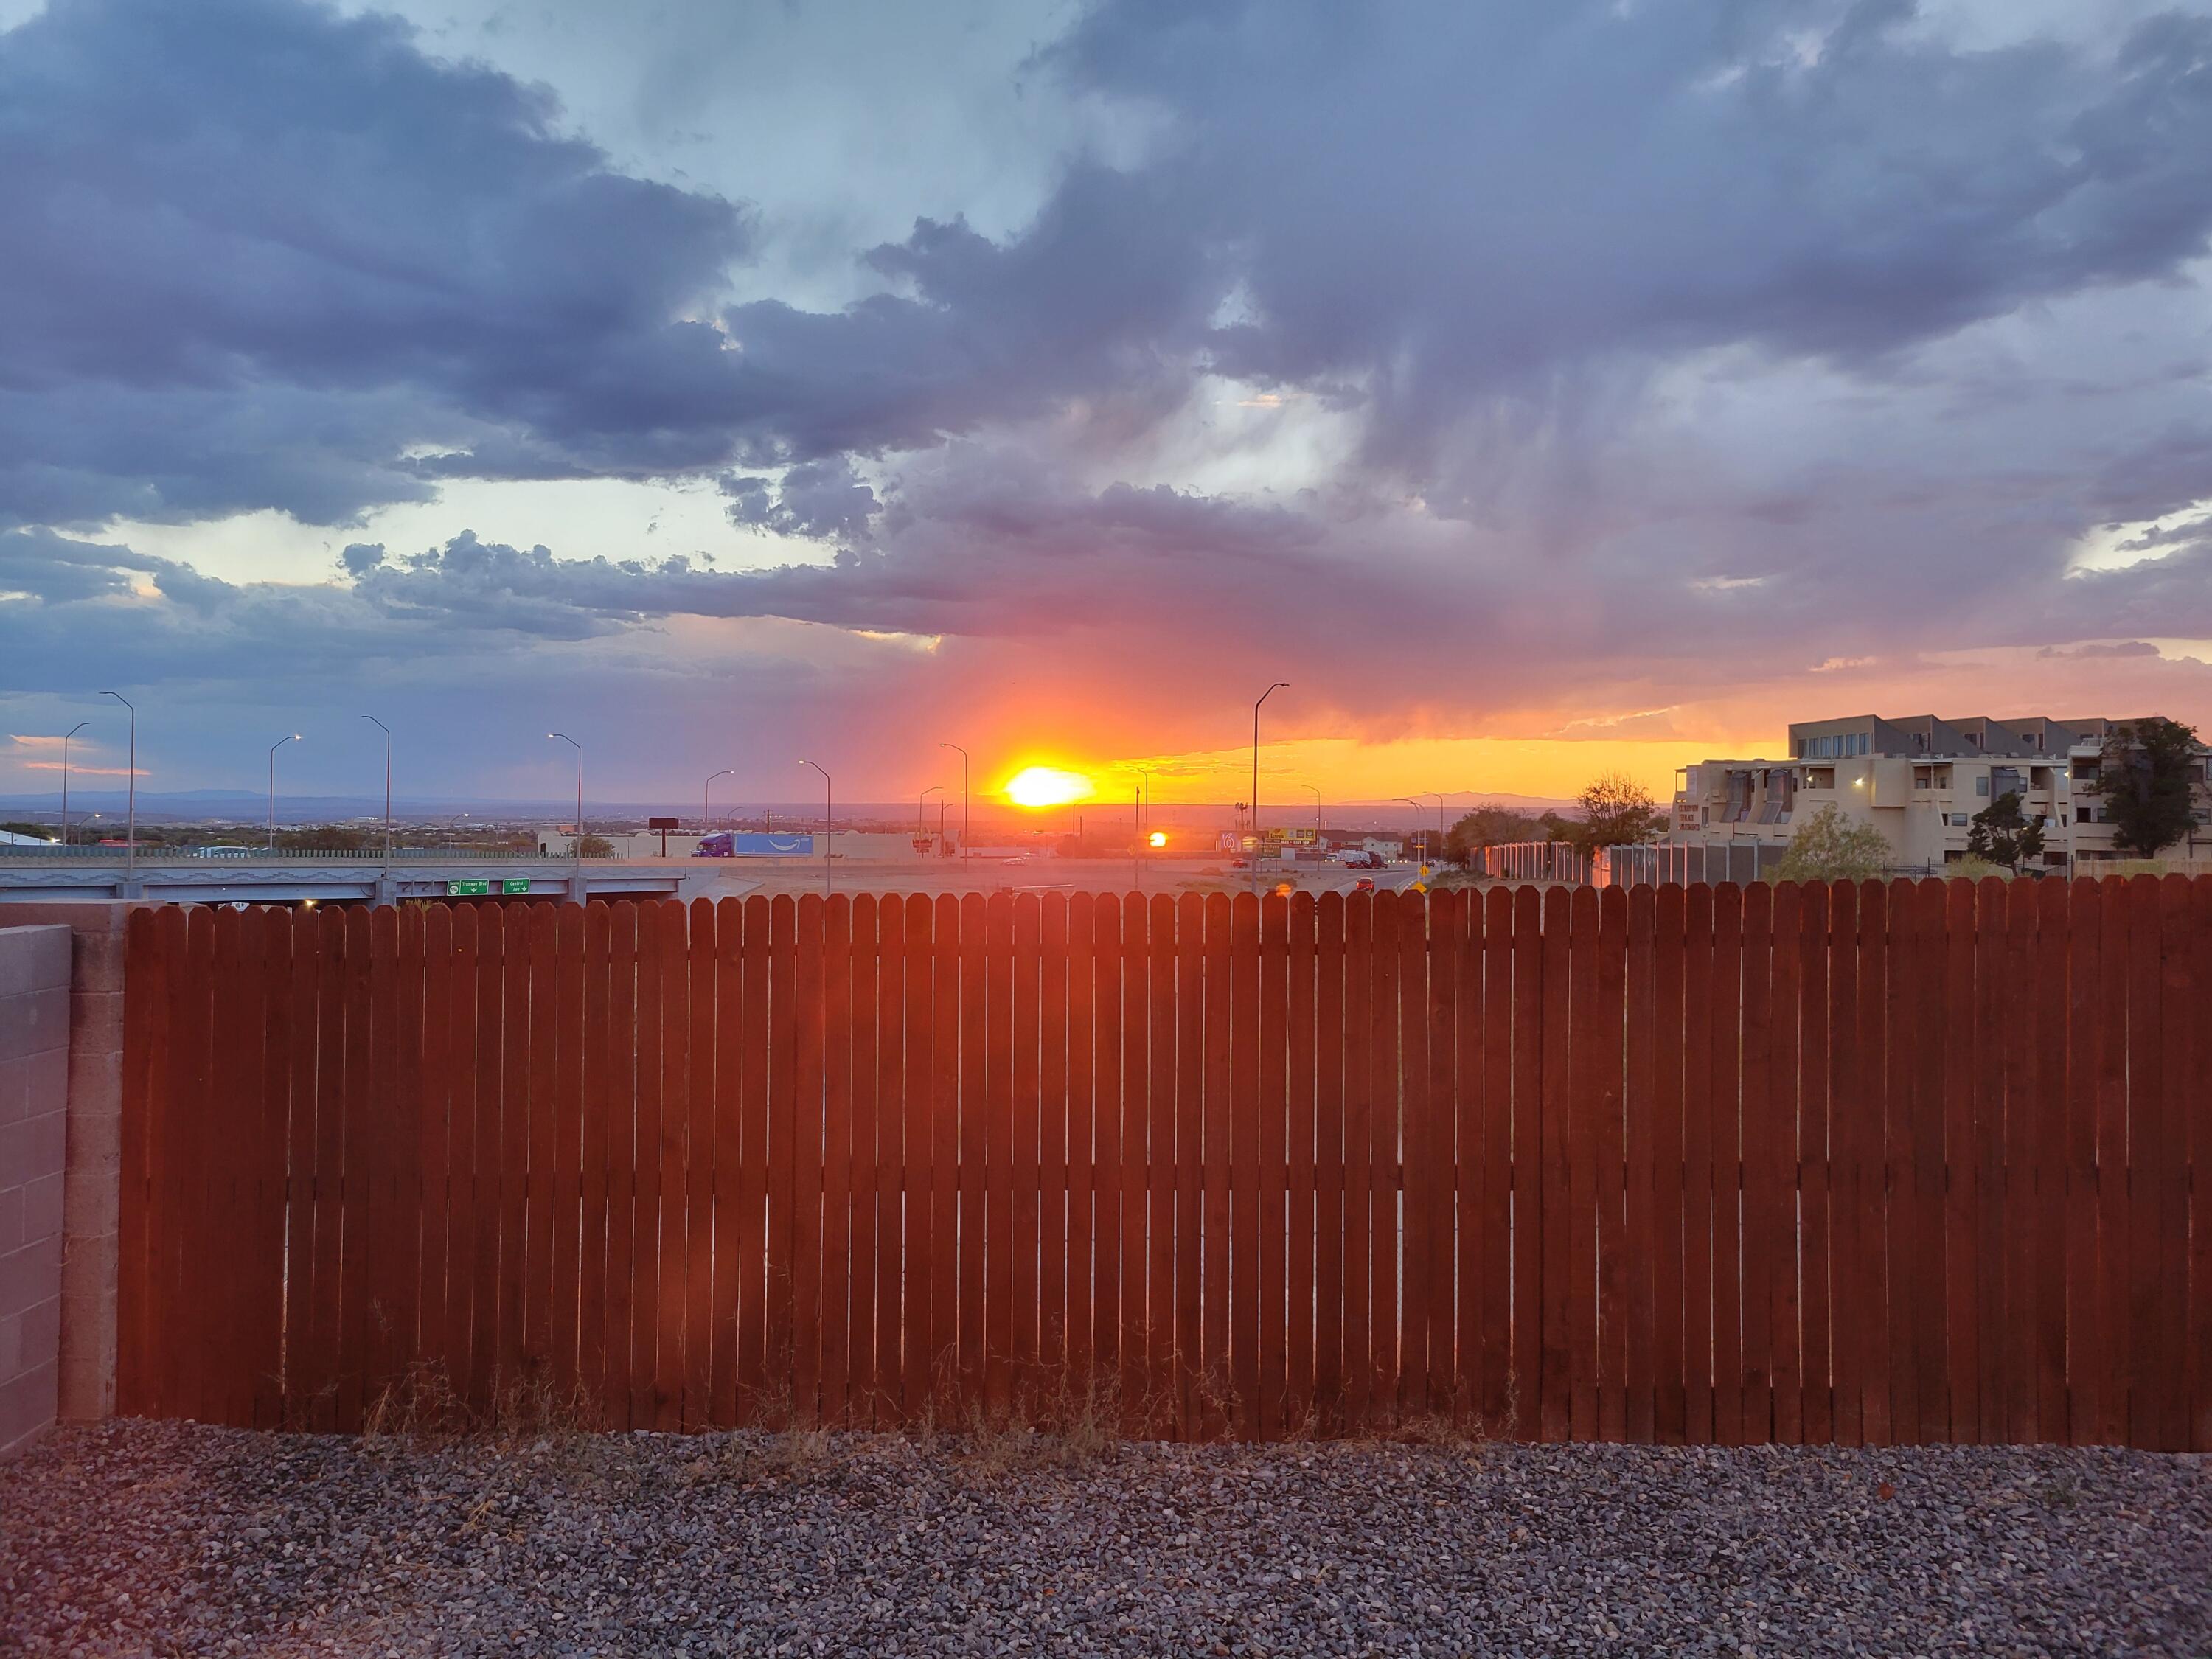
column 1829, row 847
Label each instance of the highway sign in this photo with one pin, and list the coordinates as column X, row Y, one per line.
column 467, row 888
column 514, row 884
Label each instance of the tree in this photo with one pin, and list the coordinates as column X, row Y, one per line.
column 328, row 838
column 595, row 847
column 1829, row 847
column 2145, row 774
column 1617, row 810
column 2004, row 835
column 1488, row 826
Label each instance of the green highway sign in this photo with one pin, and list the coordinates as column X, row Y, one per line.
column 469, row 889
column 514, row 884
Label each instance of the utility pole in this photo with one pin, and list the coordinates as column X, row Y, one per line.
column 387, row 730
column 967, row 810
column 1279, row 686
column 273, row 748
column 66, row 736
column 131, row 779
column 825, row 824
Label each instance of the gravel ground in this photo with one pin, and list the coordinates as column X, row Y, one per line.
column 137, row 1538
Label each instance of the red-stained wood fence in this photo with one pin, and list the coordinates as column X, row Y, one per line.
column 1887, row 1163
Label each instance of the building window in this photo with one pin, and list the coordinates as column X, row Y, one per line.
column 1982, row 787
column 2082, row 815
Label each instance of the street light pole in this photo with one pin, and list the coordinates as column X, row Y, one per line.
column 131, row 780
column 920, row 828
column 1420, row 830
column 1279, row 686
column 387, row 730
column 1319, row 825
column 575, row 847
column 273, row 748
column 1137, row 847
column 967, row 819
column 707, row 794
column 825, row 822
column 66, row 736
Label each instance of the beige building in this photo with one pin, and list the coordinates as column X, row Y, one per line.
column 1920, row 780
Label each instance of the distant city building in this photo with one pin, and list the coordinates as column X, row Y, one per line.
column 1920, row 780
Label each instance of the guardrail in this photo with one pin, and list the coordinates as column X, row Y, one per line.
column 170, row 855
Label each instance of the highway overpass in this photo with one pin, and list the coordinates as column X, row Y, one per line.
column 257, row 878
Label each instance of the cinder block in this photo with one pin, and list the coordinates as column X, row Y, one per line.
column 88, row 1388
column 15, row 1088
column 42, row 1206
column 95, row 1141
column 98, row 925
column 11, row 1218
column 96, row 961
column 32, row 1022
column 91, row 1204
column 39, row 1328
column 93, row 1083
column 29, row 1274
column 32, row 959
column 27, row 1406
column 33, row 1147
column 95, row 1022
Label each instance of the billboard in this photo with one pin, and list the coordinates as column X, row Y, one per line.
column 756, row 844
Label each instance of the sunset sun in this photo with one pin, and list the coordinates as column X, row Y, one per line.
column 1047, row 786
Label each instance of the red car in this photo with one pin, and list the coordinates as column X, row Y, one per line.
column 1364, row 884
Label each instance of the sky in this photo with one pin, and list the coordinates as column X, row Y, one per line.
column 1537, row 390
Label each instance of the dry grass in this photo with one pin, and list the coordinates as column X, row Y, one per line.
column 422, row 1407
column 1067, row 1429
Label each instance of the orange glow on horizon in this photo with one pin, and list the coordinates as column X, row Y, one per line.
column 1047, row 786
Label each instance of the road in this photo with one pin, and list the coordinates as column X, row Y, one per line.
column 283, row 878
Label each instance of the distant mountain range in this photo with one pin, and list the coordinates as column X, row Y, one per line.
column 243, row 806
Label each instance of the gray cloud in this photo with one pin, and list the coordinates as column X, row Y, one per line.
column 822, row 501
column 260, row 256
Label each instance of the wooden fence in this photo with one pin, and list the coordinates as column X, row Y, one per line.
column 1887, row 1163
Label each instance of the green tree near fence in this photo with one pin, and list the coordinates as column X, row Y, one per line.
column 1617, row 812
column 2003, row 833
column 1488, row 826
column 1829, row 847
column 2145, row 774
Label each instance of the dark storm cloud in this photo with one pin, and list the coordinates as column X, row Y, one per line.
column 40, row 566
column 1448, row 199
column 259, row 254
column 822, row 500
column 263, row 256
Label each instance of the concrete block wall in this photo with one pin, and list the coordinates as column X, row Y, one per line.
column 35, row 1086
column 93, row 1174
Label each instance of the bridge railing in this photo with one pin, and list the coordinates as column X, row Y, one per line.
column 255, row 855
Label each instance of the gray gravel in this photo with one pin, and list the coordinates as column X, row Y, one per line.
column 136, row 1538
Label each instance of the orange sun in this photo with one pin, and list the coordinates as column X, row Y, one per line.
column 1047, row 786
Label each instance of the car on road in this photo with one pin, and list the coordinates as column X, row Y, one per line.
column 1364, row 884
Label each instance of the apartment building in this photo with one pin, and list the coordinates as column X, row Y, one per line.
column 1920, row 780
